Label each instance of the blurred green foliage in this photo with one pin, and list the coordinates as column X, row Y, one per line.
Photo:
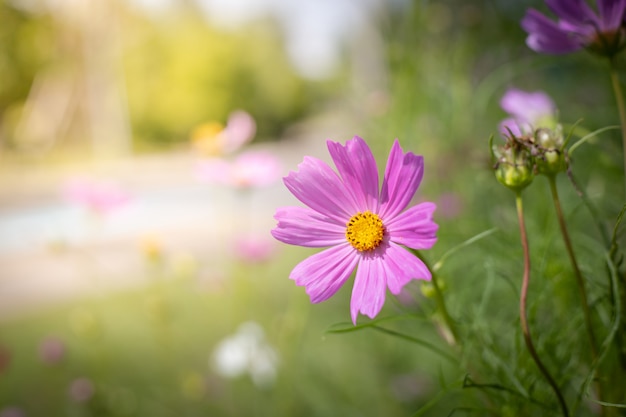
column 177, row 71
column 25, row 47
column 180, row 72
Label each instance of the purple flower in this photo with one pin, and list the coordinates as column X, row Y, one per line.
column 364, row 226
column 578, row 26
column 527, row 110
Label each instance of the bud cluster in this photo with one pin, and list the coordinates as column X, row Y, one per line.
column 540, row 151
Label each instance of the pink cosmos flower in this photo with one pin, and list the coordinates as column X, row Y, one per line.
column 364, row 226
column 99, row 197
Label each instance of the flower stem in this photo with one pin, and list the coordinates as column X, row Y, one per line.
column 444, row 311
column 522, row 306
column 441, row 302
column 621, row 108
column 572, row 257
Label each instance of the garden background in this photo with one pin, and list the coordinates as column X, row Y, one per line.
column 174, row 300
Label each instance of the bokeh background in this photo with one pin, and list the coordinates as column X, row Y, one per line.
column 134, row 282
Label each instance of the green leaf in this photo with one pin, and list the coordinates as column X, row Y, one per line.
column 604, row 403
column 347, row 326
column 374, row 325
column 589, row 136
column 468, row 242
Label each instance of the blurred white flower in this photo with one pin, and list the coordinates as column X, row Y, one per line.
column 246, row 352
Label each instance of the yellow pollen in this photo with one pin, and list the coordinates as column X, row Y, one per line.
column 365, row 231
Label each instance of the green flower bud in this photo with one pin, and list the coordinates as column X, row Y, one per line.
column 550, row 156
column 514, row 164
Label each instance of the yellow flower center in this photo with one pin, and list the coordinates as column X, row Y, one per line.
column 365, row 231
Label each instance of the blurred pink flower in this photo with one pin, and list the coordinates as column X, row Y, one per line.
column 12, row 412
column 213, row 171
column 255, row 169
column 250, row 169
column 254, row 248
column 52, row 350
column 101, row 197
column 449, row 205
column 527, row 110
column 240, row 130
column 212, row 139
column 81, row 390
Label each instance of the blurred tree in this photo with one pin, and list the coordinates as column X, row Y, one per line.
column 181, row 72
column 26, row 44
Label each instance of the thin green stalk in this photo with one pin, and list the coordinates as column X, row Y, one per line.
column 621, row 108
column 572, row 257
column 580, row 282
column 522, row 306
column 441, row 303
column 444, row 310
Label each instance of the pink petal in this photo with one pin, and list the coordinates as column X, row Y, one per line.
column 415, row 227
column 370, row 285
column 510, row 126
column 577, row 12
column 402, row 178
column 403, row 267
column 320, row 188
column 527, row 106
column 611, row 14
column 546, row 36
column 325, row 272
column 357, row 167
column 305, row 227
